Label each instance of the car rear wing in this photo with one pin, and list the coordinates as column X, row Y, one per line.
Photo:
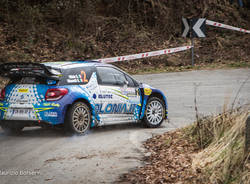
column 12, row 70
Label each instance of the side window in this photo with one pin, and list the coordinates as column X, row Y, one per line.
column 130, row 81
column 75, row 76
column 110, row 76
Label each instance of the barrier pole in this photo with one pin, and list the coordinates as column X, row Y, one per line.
column 192, row 50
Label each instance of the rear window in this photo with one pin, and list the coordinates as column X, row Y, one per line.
column 28, row 80
column 76, row 76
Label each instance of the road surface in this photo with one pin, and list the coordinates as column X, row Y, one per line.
column 47, row 156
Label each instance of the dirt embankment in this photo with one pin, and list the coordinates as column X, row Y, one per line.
column 54, row 30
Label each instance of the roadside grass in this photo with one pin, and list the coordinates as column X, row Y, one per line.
column 222, row 142
column 212, row 153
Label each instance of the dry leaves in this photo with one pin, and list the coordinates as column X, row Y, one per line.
column 170, row 161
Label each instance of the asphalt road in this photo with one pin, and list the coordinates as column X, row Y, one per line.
column 47, row 156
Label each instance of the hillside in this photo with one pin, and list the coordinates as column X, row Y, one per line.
column 55, row 30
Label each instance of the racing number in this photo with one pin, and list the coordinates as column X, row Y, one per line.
column 83, row 76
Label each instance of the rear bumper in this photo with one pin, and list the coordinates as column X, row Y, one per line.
column 15, row 123
column 53, row 113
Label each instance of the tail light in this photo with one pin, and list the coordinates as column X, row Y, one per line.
column 2, row 94
column 55, row 94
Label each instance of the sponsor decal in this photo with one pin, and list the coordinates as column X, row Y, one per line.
column 77, row 78
column 51, row 82
column 22, row 90
column 50, row 114
column 43, row 109
column 52, row 104
column 147, row 91
column 107, row 96
column 123, row 96
column 74, row 79
column 83, row 76
column 4, row 109
column 126, row 93
column 115, row 108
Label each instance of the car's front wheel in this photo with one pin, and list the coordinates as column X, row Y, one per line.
column 78, row 118
column 154, row 113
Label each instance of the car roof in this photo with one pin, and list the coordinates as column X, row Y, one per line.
column 73, row 64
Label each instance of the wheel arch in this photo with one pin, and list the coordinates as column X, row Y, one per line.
column 82, row 100
column 159, row 95
column 78, row 100
column 154, row 93
column 68, row 126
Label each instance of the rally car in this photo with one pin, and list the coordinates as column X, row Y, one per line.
column 77, row 95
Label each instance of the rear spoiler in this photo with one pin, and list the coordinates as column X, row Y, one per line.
column 11, row 70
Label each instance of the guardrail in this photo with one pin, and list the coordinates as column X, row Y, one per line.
column 143, row 55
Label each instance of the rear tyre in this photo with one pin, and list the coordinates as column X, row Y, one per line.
column 78, row 119
column 154, row 113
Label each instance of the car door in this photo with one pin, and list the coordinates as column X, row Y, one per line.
column 132, row 92
column 118, row 94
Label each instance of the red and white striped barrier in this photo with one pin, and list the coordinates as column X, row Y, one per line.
column 143, row 55
column 217, row 24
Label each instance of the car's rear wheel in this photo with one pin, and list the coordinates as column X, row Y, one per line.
column 154, row 113
column 78, row 118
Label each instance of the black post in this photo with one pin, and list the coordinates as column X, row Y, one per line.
column 192, row 50
column 247, row 141
column 192, row 41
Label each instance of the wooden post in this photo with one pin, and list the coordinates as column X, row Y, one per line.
column 247, row 146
